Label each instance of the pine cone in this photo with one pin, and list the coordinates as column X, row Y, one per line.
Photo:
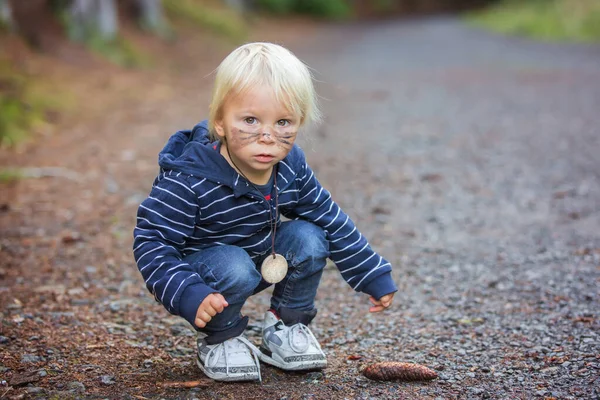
column 398, row 371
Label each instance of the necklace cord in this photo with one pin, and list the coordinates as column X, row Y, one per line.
column 272, row 221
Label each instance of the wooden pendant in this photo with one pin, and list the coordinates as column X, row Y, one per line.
column 273, row 270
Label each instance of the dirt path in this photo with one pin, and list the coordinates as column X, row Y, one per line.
column 470, row 161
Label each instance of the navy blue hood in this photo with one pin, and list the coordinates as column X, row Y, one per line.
column 192, row 152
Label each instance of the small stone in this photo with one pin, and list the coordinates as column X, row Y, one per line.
column 30, row 358
column 549, row 370
column 4, row 340
column 314, row 376
column 77, row 387
column 90, row 269
column 107, row 379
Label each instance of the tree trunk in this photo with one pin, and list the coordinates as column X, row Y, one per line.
column 151, row 14
column 107, row 19
column 6, row 16
column 94, row 17
column 238, row 5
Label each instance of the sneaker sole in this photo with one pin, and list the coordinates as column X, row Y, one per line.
column 292, row 366
column 232, row 377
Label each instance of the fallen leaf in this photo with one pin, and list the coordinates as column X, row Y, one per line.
column 188, row 384
column 431, row 177
column 25, row 378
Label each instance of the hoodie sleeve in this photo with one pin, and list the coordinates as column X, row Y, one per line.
column 363, row 269
column 164, row 222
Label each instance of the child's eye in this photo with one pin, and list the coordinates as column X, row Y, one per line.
column 283, row 122
column 250, row 120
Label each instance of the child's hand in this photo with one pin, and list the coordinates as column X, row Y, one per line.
column 212, row 304
column 381, row 304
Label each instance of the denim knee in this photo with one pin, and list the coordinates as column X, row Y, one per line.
column 308, row 242
column 238, row 277
column 229, row 270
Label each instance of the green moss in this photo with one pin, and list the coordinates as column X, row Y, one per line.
column 330, row 9
column 562, row 20
column 8, row 175
column 383, row 6
column 224, row 22
column 279, row 7
column 119, row 51
column 24, row 105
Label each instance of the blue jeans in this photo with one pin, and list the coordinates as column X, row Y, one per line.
column 230, row 271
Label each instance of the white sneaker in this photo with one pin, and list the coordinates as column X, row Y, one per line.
column 233, row 360
column 292, row 348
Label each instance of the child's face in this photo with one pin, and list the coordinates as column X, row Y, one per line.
column 258, row 130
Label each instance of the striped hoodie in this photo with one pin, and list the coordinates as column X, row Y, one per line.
column 198, row 200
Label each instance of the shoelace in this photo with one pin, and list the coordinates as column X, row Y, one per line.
column 298, row 330
column 232, row 346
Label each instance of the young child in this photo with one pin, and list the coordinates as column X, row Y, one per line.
column 211, row 224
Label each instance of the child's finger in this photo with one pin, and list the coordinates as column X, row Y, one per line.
column 204, row 316
column 217, row 304
column 376, row 309
column 375, row 302
column 210, row 310
column 199, row 323
column 223, row 301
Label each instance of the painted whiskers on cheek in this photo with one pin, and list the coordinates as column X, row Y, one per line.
column 244, row 138
column 285, row 139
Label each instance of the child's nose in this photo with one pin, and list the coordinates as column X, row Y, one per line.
column 266, row 137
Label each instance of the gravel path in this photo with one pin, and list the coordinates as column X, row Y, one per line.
column 474, row 165
column 470, row 161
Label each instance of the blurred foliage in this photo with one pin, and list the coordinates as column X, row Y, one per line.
column 568, row 20
column 8, row 175
column 277, row 6
column 24, row 105
column 332, row 9
column 119, row 50
column 384, row 5
column 223, row 21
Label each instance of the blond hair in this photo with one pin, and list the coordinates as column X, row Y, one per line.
column 258, row 64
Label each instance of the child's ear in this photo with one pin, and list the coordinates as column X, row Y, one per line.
column 219, row 128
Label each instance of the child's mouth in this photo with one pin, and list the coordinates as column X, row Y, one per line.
column 265, row 158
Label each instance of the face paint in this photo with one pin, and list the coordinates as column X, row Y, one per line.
column 285, row 139
column 244, row 138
